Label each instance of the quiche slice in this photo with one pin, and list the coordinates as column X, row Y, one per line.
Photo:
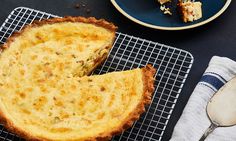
column 190, row 10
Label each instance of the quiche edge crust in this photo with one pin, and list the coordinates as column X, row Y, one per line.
column 147, row 76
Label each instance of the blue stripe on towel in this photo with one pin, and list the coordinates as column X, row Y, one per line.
column 212, row 80
column 224, row 80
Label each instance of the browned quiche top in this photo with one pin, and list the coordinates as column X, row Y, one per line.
column 46, row 93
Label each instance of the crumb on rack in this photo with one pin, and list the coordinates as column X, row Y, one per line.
column 88, row 11
column 77, row 5
column 82, row 6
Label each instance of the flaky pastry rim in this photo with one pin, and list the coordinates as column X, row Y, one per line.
column 90, row 20
column 147, row 77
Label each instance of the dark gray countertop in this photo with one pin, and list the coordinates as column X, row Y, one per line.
column 215, row 38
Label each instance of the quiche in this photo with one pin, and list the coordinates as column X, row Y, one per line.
column 47, row 94
column 190, row 11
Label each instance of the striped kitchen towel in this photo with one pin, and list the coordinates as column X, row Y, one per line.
column 194, row 121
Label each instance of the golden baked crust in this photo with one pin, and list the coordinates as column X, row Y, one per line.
column 90, row 20
column 138, row 82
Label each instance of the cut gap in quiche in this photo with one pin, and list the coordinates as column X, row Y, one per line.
column 46, row 93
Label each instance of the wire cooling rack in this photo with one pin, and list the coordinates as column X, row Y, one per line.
column 128, row 52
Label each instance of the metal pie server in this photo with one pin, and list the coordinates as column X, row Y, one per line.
column 221, row 109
